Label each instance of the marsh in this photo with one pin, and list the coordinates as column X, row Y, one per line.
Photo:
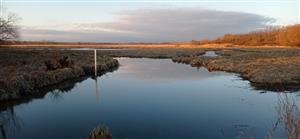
column 151, row 98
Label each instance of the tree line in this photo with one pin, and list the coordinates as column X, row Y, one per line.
column 286, row 36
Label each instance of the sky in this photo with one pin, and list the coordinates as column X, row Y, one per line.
column 146, row 20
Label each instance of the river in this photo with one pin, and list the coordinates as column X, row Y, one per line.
column 150, row 99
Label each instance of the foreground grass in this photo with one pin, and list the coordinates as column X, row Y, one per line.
column 100, row 132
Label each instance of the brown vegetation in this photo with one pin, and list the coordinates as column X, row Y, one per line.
column 289, row 114
column 286, row 36
column 274, row 69
column 25, row 72
column 100, row 132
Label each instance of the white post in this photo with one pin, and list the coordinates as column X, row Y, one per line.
column 95, row 61
column 96, row 81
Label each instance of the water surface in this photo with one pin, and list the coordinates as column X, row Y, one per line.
column 149, row 98
column 210, row 54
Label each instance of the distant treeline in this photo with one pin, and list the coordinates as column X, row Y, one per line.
column 50, row 43
column 286, row 36
column 75, row 43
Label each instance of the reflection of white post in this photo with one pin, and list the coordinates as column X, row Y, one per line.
column 97, row 91
column 95, row 61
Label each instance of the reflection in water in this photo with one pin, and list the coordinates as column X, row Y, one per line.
column 56, row 91
column 97, row 90
column 163, row 70
column 210, row 54
column 288, row 119
column 8, row 121
column 289, row 114
column 56, row 95
column 280, row 88
column 149, row 98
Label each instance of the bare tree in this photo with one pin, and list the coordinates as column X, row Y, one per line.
column 8, row 28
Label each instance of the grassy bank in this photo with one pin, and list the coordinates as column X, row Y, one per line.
column 268, row 68
column 271, row 69
column 25, row 72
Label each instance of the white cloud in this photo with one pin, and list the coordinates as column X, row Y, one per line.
column 155, row 25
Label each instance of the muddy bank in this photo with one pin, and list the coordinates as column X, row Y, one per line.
column 268, row 69
column 28, row 72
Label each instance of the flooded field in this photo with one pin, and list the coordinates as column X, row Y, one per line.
column 151, row 98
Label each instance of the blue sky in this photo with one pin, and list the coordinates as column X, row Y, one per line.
column 146, row 21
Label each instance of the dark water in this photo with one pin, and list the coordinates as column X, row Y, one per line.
column 149, row 98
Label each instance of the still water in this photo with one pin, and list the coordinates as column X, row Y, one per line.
column 149, row 99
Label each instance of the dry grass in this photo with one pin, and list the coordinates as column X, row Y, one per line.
column 100, row 132
column 274, row 69
column 25, row 72
column 289, row 115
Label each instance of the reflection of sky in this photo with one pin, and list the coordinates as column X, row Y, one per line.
column 160, row 70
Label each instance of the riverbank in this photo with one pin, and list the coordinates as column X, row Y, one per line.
column 267, row 69
column 25, row 72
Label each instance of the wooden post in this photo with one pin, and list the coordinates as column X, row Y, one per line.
column 95, row 61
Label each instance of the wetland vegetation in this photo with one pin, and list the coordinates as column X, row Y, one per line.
column 140, row 74
column 264, row 68
column 25, row 72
